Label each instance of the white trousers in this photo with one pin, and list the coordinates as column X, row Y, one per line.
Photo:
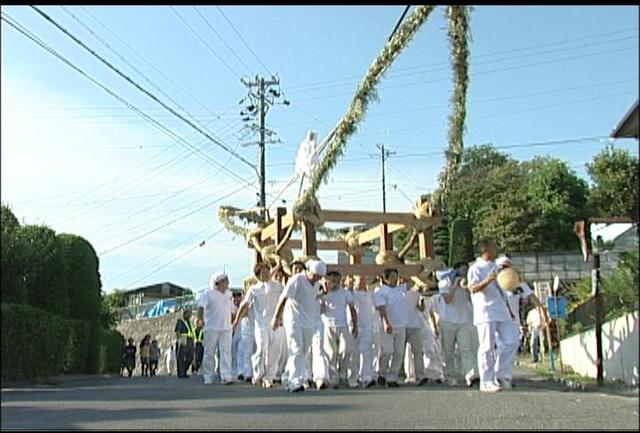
column 299, row 343
column 414, row 354
column 338, row 346
column 236, row 353
column 433, row 358
column 248, row 342
column 391, row 354
column 259, row 357
column 276, row 354
column 490, row 362
column 507, row 355
column 361, row 365
column 317, row 358
column 220, row 340
column 462, row 362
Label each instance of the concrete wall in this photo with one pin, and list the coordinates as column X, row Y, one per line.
column 620, row 350
column 160, row 328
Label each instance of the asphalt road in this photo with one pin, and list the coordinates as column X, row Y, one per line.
column 164, row 402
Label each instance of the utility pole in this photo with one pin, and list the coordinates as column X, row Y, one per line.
column 384, row 154
column 264, row 96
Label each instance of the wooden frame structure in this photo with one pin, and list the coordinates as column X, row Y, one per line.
column 386, row 223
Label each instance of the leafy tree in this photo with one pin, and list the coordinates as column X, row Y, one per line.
column 614, row 173
column 559, row 197
column 110, row 304
column 12, row 284
column 461, row 241
column 44, row 269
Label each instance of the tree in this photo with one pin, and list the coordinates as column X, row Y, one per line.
column 12, row 284
column 559, row 198
column 614, row 173
column 44, row 269
column 110, row 304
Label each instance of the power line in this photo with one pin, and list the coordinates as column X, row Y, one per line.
column 137, row 86
column 193, row 98
column 173, row 221
column 222, row 39
column 233, row 71
column 496, row 53
column 406, row 9
column 175, row 259
column 243, row 41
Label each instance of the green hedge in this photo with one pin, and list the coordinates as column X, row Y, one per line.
column 36, row 343
column 110, row 352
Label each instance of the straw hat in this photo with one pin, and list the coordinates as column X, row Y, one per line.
column 508, row 279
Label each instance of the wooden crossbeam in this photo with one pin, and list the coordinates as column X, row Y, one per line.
column 375, row 270
column 374, row 233
column 270, row 231
column 365, row 217
column 296, row 244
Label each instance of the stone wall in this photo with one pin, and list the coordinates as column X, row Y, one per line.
column 160, row 328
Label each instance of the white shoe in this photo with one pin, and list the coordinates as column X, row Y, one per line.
column 489, row 387
column 266, row 383
column 505, row 383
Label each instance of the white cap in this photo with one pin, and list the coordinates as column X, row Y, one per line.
column 444, row 284
column 442, row 274
column 503, row 260
column 317, row 267
column 216, row 278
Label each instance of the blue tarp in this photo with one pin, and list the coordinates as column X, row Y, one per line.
column 161, row 308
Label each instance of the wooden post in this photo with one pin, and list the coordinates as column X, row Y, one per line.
column 280, row 212
column 426, row 243
column 309, row 245
column 386, row 243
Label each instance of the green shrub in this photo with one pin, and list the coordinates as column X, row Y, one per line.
column 77, row 346
column 110, row 352
column 460, row 241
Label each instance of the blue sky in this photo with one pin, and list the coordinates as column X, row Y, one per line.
column 79, row 161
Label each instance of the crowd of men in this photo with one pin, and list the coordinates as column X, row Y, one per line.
column 319, row 329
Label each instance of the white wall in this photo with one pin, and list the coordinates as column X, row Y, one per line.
column 619, row 350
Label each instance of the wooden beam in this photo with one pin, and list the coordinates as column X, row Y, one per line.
column 270, row 231
column 375, row 270
column 355, row 260
column 617, row 219
column 296, row 244
column 425, row 240
column 374, row 233
column 364, row 217
column 386, row 243
column 309, row 245
column 280, row 212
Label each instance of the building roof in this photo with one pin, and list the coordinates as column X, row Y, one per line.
column 628, row 126
column 141, row 289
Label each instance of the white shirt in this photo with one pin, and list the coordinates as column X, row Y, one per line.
column 488, row 304
column 412, row 313
column 459, row 310
column 534, row 321
column 335, row 311
column 263, row 300
column 217, row 310
column 514, row 300
column 301, row 297
column 393, row 300
column 365, row 309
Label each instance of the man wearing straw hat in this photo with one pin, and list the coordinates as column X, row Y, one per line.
column 491, row 314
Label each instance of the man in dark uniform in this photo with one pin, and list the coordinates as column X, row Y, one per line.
column 184, row 346
column 129, row 356
column 198, row 337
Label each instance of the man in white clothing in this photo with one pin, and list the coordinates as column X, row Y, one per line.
column 414, row 307
column 516, row 300
column 456, row 325
column 261, row 299
column 338, row 341
column 301, row 294
column 389, row 301
column 362, row 358
column 490, row 315
column 215, row 308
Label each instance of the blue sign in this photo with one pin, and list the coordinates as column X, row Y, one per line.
column 561, row 303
